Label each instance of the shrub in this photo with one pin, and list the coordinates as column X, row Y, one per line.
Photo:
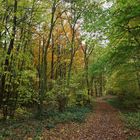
column 62, row 100
column 58, row 97
column 83, row 99
column 130, row 100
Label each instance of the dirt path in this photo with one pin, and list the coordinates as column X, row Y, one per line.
column 104, row 124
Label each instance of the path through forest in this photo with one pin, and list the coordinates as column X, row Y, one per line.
column 103, row 124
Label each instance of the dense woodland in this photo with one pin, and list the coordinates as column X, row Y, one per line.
column 56, row 54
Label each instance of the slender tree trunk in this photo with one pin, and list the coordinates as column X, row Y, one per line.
column 101, row 85
column 69, row 70
column 91, row 86
column 52, row 60
column 73, row 51
column 86, row 74
column 7, row 68
column 44, row 63
column 96, row 90
column 136, row 60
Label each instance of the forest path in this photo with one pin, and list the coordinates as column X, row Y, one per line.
column 103, row 124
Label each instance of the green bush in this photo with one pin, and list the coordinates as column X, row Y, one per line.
column 83, row 99
column 51, row 101
column 62, row 100
column 130, row 100
column 58, row 96
column 21, row 112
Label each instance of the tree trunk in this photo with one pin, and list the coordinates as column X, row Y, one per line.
column 96, row 90
column 101, row 85
column 7, row 67
column 69, row 70
column 52, row 60
column 44, row 63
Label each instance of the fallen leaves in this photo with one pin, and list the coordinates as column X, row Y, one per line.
column 104, row 124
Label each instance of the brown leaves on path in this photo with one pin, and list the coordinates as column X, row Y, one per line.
column 104, row 124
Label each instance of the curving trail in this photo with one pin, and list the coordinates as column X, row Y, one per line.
column 104, row 124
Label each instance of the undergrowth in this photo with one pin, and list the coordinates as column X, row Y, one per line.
column 132, row 120
column 20, row 129
column 130, row 117
column 76, row 114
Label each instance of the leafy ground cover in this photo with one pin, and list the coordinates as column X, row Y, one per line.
column 33, row 127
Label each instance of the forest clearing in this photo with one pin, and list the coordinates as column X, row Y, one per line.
column 69, row 70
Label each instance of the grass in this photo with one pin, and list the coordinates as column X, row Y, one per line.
column 32, row 127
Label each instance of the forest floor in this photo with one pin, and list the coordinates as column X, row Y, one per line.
column 103, row 124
